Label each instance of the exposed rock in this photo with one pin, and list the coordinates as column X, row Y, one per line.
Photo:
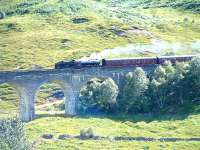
column 111, row 138
column 80, row 20
column 2, row 15
column 64, row 136
column 47, row 136
column 171, row 139
column 119, row 32
column 25, row 4
column 86, row 133
column 140, row 31
column 65, row 42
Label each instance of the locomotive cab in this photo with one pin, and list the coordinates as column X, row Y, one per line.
column 64, row 64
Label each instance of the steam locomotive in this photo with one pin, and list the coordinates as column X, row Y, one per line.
column 122, row 62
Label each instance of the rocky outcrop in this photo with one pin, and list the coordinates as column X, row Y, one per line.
column 47, row 136
column 80, row 20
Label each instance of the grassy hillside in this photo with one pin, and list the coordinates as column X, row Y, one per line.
column 37, row 34
column 43, row 32
column 138, row 126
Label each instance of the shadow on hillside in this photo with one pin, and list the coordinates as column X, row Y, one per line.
column 137, row 118
column 48, row 115
column 124, row 118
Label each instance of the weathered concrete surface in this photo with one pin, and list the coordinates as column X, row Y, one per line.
column 27, row 83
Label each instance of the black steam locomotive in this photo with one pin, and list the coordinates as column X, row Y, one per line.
column 79, row 64
column 122, row 62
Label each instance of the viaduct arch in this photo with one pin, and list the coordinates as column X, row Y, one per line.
column 27, row 83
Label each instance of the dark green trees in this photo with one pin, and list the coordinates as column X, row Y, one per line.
column 170, row 89
column 133, row 94
column 99, row 93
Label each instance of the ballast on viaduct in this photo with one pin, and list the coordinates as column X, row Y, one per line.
column 27, row 84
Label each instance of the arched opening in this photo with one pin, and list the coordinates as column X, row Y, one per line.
column 50, row 100
column 9, row 101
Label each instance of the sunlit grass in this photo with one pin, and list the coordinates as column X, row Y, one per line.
column 136, row 126
column 43, row 33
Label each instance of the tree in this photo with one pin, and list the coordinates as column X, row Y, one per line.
column 157, row 88
column 12, row 135
column 160, row 89
column 192, row 81
column 176, row 82
column 99, row 93
column 136, row 84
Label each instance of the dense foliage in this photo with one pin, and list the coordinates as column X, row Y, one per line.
column 170, row 89
column 136, row 83
column 12, row 135
column 99, row 93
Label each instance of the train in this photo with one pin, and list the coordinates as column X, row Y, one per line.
column 122, row 62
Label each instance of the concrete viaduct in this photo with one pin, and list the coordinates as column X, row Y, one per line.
column 27, row 83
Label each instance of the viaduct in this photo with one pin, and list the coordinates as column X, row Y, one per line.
column 27, row 83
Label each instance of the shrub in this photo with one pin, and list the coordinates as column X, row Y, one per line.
column 4, row 146
column 99, row 93
column 12, row 135
column 160, row 88
column 133, row 94
column 168, row 88
column 192, row 81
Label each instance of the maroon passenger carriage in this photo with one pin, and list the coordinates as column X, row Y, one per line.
column 123, row 62
column 144, row 61
column 174, row 59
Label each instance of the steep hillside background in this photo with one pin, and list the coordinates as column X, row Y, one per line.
column 38, row 33
column 35, row 34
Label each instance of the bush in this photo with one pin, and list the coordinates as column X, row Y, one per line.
column 170, row 89
column 192, row 81
column 99, row 93
column 4, row 146
column 133, row 94
column 160, row 89
column 12, row 135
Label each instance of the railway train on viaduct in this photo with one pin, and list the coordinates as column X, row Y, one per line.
column 122, row 62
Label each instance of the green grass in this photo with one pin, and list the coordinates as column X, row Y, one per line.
column 136, row 126
column 107, row 145
column 34, row 33
column 41, row 33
